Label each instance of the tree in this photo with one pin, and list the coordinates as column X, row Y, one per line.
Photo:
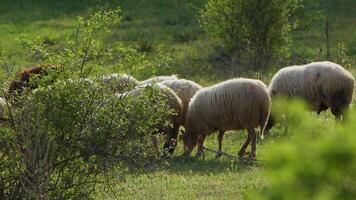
column 320, row 14
column 255, row 30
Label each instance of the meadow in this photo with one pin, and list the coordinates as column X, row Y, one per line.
column 171, row 27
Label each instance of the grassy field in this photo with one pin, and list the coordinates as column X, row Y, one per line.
column 147, row 24
column 208, row 178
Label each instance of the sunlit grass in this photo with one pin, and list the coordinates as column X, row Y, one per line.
column 145, row 25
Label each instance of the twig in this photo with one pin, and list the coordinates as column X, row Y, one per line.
column 219, row 152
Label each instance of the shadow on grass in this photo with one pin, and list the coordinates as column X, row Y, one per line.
column 215, row 166
column 181, row 165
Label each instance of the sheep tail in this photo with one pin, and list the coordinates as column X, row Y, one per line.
column 264, row 115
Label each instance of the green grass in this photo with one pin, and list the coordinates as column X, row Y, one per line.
column 148, row 24
column 145, row 25
column 208, row 178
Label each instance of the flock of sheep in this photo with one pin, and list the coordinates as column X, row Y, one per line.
column 241, row 103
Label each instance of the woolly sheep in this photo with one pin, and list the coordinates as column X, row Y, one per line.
column 235, row 104
column 322, row 85
column 185, row 90
column 118, row 82
column 175, row 119
column 158, row 79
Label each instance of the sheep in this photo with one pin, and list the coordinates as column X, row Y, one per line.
column 185, row 90
column 118, row 82
column 234, row 104
column 174, row 103
column 158, row 79
column 322, row 85
column 24, row 78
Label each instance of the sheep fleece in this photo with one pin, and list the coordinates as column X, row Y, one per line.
column 158, row 79
column 315, row 82
column 235, row 104
column 185, row 90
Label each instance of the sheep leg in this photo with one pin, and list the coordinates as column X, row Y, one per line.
column 190, row 141
column 244, row 146
column 253, row 137
column 220, row 139
column 200, row 152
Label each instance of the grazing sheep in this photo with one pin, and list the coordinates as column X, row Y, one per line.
column 24, row 77
column 322, row 85
column 175, row 119
column 235, row 104
column 185, row 90
column 158, row 79
column 118, row 82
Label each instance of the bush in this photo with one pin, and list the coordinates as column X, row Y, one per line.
column 342, row 56
column 311, row 164
column 256, row 30
column 64, row 137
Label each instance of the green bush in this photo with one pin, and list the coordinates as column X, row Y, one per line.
column 256, row 31
column 63, row 138
column 316, row 162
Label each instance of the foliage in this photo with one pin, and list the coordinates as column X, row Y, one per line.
column 63, row 137
column 172, row 23
column 311, row 164
column 257, row 30
column 342, row 56
column 322, row 15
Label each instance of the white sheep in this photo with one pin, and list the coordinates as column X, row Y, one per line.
column 118, row 82
column 174, row 103
column 185, row 90
column 158, row 79
column 235, row 104
column 322, row 85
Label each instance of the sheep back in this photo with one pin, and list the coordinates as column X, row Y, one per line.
column 118, row 82
column 158, row 79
